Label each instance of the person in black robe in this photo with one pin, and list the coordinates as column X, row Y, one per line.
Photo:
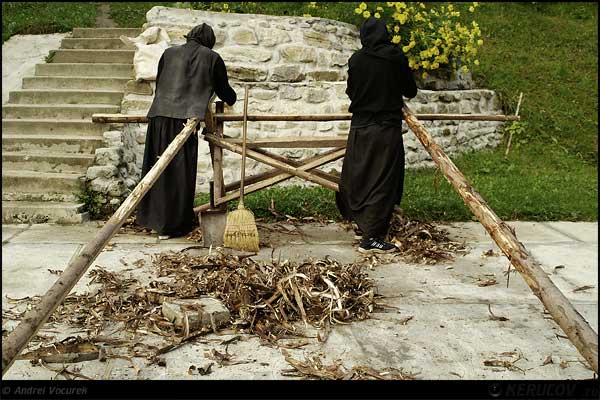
column 187, row 78
column 372, row 176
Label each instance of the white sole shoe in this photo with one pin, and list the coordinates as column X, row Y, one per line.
column 376, row 251
column 164, row 237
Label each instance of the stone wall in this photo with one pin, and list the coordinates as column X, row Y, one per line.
column 298, row 65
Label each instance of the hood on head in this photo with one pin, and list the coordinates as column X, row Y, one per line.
column 373, row 32
column 202, row 34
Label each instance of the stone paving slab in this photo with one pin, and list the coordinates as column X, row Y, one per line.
column 449, row 337
column 25, row 267
column 83, row 233
column 9, row 232
column 525, row 231
column 583, row 231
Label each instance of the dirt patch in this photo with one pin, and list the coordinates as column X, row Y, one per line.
column 103, row 20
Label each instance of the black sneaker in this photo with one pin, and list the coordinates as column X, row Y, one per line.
column 376, row 245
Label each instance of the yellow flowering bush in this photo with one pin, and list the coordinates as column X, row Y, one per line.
column 429, row 34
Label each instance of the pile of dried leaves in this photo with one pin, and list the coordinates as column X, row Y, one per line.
column 266, row 298
column 422, row 242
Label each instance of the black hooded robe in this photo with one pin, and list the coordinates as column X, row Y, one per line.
column 372, row 176
column 187, row 77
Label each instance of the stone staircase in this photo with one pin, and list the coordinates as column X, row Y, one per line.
column 48, row 137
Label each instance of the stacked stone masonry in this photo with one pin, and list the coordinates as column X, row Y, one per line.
column 293, row 65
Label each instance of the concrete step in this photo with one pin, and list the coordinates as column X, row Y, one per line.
column 59, row 111
column 51, row 143
column 105, row 32
column 93, row 43
column 85, row 69
column 70, row 197
column 40, row 182
column 65, row 96
column 93, row 56
column 47, row 162
column 52, row 126
column 42, row 212
column 77, row 82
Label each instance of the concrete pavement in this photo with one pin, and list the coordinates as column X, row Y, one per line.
column 449, row 336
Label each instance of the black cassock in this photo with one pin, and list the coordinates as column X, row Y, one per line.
column 373, row 170
column 188, row 75
column 372, row 177
column 168, row 206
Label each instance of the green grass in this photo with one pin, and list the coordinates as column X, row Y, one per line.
column 548, row 51
column 28, row 18
column 133, row 14
column 549, row 188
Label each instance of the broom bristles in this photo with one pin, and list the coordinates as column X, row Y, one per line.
column 240, row 231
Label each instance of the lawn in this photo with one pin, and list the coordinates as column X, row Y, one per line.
column 548, row 51
column 28, row 18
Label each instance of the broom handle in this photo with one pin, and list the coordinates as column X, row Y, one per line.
column 244, row 125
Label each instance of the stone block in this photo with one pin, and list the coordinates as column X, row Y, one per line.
column 247, row 73
column 101, row 171
column 244, row 36
column 264, row 94
column 325, row 126
column 287, row 73
column 272, row 37
column 290, row 93
column 244, row 54
column 323, row 76
column 316, row 95
column 339, row 60
column 117, row 188
column 108, row 156
column 317, row 39
column 100, row 185
column 200, row 312
column 296, row 53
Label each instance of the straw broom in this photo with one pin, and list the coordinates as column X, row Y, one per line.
column 240, row 231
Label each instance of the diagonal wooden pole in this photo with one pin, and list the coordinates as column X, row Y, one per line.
column 284, row 176
column 16, row 341
column 574, row 325
column 271, row 161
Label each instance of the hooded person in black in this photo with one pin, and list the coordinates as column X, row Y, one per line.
column 372, row 177
column 187, row 78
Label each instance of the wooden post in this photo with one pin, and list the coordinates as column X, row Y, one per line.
column 34, row 319
column 217, row 152
column 578, row 330
column 511, row 132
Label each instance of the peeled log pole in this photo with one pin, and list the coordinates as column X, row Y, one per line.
column 578, row 330
column 34, row 319
column 220, row 116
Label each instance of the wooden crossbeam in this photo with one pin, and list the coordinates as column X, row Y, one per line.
column 220, row 142
column 220, row 116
